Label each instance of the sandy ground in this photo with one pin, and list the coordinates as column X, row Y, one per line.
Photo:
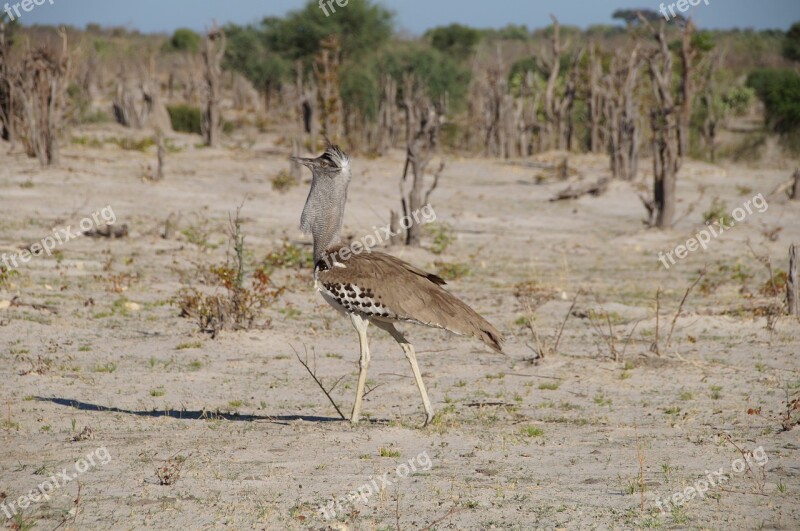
column 568, row 442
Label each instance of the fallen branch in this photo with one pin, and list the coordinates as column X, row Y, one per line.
column 574, row 191
column 680, row 307
column 318, row 382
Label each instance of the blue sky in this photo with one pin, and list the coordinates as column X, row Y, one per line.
column 412, row 15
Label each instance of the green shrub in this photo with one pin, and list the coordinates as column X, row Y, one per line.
column 454, row 40
column 185, row 118
column 183, row 40
column 779, row 89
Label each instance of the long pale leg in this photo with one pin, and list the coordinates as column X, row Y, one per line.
column 363, row 363
column 408, row 349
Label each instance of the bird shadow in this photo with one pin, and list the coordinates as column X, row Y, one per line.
column 185, row 414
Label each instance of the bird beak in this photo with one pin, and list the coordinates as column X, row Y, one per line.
column 305, row 162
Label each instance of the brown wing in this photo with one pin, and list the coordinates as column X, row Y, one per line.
column 407, row 293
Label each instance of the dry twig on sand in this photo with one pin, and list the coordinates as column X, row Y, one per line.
column 313, row 373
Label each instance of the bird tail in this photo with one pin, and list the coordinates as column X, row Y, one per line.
column 460, row 318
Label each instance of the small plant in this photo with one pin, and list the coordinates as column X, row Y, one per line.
column 550, row 386
column 532, row 431
column 232, row 305
column 184, row 346
column 717, row 211
column 775, row 286
column 716, row 392
column 130, row 144
column 287, row 256
column 386, row 452
column 5, row 276
column 107, row 367
column 283, row 182
column 157, row 392
column 170, row 472
column 451, row 271
column 601, row 400
column 186, row 118
column 442, row 236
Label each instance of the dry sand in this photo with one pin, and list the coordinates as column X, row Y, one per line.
column 564, row 443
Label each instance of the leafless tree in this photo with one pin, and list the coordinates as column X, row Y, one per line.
column 387, row 114
column 326, row 72
column 595, row 99
column 6, row 88
column 38, row 90
column 423, row 120
column 213, row 51
column 669, row 120
column 621, row 111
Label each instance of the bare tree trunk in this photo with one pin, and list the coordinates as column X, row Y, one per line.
column 423, row 120
column 40, row 87
column 552, row 117
column 688, row 55
column 712, row 114
column 161, row 154
column 667, row 123
column 6, row 87
column 213, row 52
column 622, row 114
column 595, row 99
column 387, row 115
column 326, row 70
column 793, row 284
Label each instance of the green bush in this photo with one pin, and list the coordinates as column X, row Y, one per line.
column 454, row 40
column 184, row 40
column 186, row 118
column 791, row 44
column 779, row 89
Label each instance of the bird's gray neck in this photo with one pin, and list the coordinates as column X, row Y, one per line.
column 324, row 213
column 329, row 233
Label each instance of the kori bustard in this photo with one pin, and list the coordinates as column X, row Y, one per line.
column 374, row 287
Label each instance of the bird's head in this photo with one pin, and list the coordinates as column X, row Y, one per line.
column 333, row 163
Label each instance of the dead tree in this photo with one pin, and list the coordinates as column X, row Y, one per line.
column 387, row 114
column 552, row 111
column 621, row 113
column 306, row 93
column 793, row 283
column 326, row 72
column 39, row 90
column 6, row 88
column 565, row 126
column 688, row 55
column 713, row 114
column 138, row 104
column 161, row 155
column 595, row 100
column 668, row 122
column 213, row 52
column 795, row 194
column 423, row 121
